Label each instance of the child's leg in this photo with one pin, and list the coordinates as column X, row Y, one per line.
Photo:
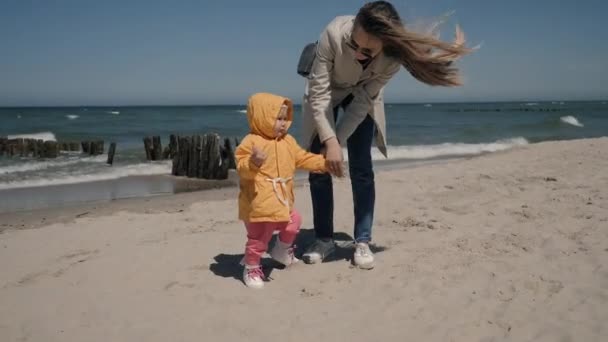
column 258, row 236
column 288, row 234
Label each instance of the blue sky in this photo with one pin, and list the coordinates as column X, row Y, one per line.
column 111, row 52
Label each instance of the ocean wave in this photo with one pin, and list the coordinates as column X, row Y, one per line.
column 141, row 169
column 42, row 165
column 72, row 116
column 571, row 120
column 115, row 112
column 531, row 104
column 244, row 111
column 421, row 152
column 46, row 136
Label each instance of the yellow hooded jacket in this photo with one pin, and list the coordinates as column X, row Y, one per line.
column 267, row 192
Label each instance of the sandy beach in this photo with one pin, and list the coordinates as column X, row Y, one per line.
column 510, row 246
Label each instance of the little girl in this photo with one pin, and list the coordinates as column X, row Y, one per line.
column 267, row 159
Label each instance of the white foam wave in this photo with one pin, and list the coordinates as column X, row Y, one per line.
column 571, row 120
column 115, row 112
column 110, row 173
column 531, row 104
column 419, row 152
column 43, row 165
column 46, row 136
column 244, row 111
column 72, row 116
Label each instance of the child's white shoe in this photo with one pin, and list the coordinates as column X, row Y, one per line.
column 363, row 257
column 283, row 253
column 253, row 276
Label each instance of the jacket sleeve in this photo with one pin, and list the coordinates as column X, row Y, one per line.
column 319, row 92
column 364, row 96
column 305, row 160
column 245, row 168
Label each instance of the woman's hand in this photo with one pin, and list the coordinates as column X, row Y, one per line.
column 334, row 157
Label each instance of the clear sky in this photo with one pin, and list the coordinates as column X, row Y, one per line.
column 110, row 52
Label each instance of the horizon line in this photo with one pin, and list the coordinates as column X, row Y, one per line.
column 295, row 104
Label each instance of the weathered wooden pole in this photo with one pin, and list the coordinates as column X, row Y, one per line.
column 111, row 152
column 157, row 148
column 86, row 147
column 148, row 148
column 74, row 146
column 230, row 154
column 3, row 145
column 51, row 149
column 39, row 150
column 172, row 146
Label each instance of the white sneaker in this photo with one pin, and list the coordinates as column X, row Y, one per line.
column 363, row 257
column 283, row 253
column 253, row 276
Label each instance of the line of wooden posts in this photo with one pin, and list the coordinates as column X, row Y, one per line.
column 37, row 148
column 196, row 156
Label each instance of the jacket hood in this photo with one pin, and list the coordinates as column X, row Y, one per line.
column 263, row 110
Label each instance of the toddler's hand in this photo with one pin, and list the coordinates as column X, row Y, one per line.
column 258, row 157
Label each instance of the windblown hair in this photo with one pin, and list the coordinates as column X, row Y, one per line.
column 426, row 57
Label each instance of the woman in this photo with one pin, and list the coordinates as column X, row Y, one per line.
column 355, row 58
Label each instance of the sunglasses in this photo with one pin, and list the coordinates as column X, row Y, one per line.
column 364, row 51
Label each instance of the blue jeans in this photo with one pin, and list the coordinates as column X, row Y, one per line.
column 359, row 146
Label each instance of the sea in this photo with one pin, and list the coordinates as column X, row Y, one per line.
column 416, row 133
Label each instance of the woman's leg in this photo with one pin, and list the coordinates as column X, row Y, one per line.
column 322, row 194
column 362, row 178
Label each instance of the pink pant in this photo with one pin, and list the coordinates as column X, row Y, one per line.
column 260, row 233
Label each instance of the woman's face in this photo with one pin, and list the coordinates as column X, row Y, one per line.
column 364, row 44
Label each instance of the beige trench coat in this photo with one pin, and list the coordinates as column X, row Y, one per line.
column 335, row 74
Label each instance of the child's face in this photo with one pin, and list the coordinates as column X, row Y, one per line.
column 280, row 126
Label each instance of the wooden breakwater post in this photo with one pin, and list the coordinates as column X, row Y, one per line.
column 69, row 146
column 3, row 146
column 92, row 147
column 86, row 146
column 171, row 150
column 111, row 152
column 37, row 148
column 203, row 157
column 20, row 147
column 51, row 149
column 157, row 148
column 154, row 148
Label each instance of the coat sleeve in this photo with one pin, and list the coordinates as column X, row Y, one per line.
column 305, row 160
column 245, row 168
column 319, row 91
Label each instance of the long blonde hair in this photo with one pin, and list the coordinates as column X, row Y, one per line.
column 426, row 57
